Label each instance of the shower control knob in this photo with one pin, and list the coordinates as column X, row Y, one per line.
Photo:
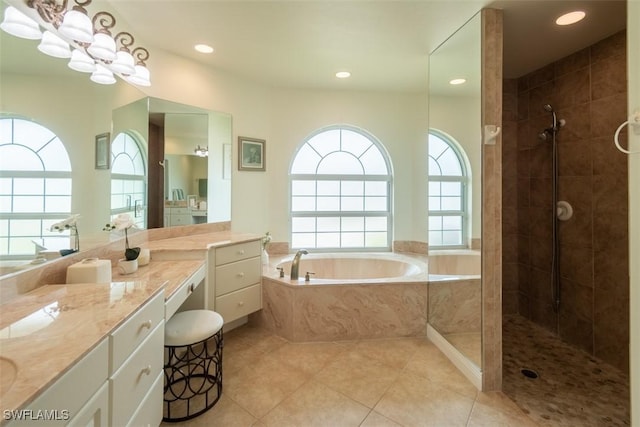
column 564, row 211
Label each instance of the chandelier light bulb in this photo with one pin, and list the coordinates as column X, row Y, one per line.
column 20, row 25
column 77, row 26
column 82, row 62
column 124, row 63
column 141, row 76
column 102, row 75
column 103, row 47
column 53, row 45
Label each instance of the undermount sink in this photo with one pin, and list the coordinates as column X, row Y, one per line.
column 8, row 372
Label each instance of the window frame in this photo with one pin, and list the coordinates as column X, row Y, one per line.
column 42, row 174
column 464, row 179
column 131, row 209
column 387, row 213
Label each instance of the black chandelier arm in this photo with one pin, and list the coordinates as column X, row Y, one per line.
column 50, row 11
column 125, row 40
column 103, row 22
column 141, row 54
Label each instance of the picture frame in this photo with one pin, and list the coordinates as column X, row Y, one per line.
column 252, row 154
column 103, row 151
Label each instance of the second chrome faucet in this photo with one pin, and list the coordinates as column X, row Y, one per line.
column 296, row 263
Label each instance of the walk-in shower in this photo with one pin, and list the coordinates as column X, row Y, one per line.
column 550, row 134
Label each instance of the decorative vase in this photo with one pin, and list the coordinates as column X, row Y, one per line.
column 265, row 257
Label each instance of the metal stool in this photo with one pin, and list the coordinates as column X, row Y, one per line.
column 192, row 364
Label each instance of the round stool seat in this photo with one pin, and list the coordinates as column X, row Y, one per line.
column 192, row 326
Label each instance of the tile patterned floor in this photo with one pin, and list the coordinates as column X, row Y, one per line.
column 403, row 382
column 573, row 388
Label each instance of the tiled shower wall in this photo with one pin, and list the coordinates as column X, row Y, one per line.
column 589, row 90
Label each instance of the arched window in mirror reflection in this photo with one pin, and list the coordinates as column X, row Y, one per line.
column 449, row 192
column 128, row 188
column 35, row 189
column 341, row 191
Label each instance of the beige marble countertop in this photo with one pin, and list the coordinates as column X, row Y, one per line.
column 44, row 332
column 47, row 330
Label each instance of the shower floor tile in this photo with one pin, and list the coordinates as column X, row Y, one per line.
column 572, row 389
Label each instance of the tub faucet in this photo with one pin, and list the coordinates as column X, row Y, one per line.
column 295, row 263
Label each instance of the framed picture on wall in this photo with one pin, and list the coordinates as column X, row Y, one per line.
column 251, row 154
column 103, row 151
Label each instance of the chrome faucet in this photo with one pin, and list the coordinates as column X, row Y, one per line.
column 295, row 263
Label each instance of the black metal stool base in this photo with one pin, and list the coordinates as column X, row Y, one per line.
column 192, row 378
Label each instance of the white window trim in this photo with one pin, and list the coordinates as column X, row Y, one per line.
column 347, row 177
column 464, row 179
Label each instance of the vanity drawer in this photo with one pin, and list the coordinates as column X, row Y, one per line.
column 135, row 378
column 240, row 251
column 238, row 275
column 149, row 413
column 240, row 303
column 182, row 293
column 131, row 333
column 74, row 389
column 179, row 211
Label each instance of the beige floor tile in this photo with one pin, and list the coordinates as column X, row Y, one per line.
column 226, row 413
column 496, row 409
column 259, row 387
column 315, row 404
column 392, row 352
column 416, row 401
column 374, row 419
column 307, row 357
column 359, row 377
column 430, row 363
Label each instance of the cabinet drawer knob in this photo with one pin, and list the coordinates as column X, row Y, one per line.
column 192, row 287
column 241, row 252
column 147, row 324
column 240, row 275
column 241, row 303
column 147, row 370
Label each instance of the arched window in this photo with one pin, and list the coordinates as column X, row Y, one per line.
column 448, row 192
column 128, row 188
column 35, row 188
column 341, row 191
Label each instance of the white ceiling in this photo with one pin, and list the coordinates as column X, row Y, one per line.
column 384, row 44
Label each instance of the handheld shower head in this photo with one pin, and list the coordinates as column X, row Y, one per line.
column 548, row 108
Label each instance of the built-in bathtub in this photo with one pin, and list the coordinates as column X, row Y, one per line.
column 350, row 296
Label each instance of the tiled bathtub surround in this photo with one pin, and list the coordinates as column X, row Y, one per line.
column 588, row 90
column 302, row 313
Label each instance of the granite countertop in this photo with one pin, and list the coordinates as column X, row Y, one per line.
column 46, row 331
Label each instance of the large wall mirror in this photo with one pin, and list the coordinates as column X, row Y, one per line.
column 455, row 191
column 188, row 166
column 42, row 90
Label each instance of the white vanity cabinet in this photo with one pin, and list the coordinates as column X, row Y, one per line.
column 136, row 366
column 234, row 285
column 175, row 216
column 78, row 398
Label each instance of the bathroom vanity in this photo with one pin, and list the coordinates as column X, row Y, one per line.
column 92, row 354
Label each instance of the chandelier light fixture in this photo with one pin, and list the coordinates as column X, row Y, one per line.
column 201, row 152
column 87, row 42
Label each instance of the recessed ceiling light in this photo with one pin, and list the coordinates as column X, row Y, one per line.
column 457, row 81
column 571, row 17
column 343, row 74
column 203, row 48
